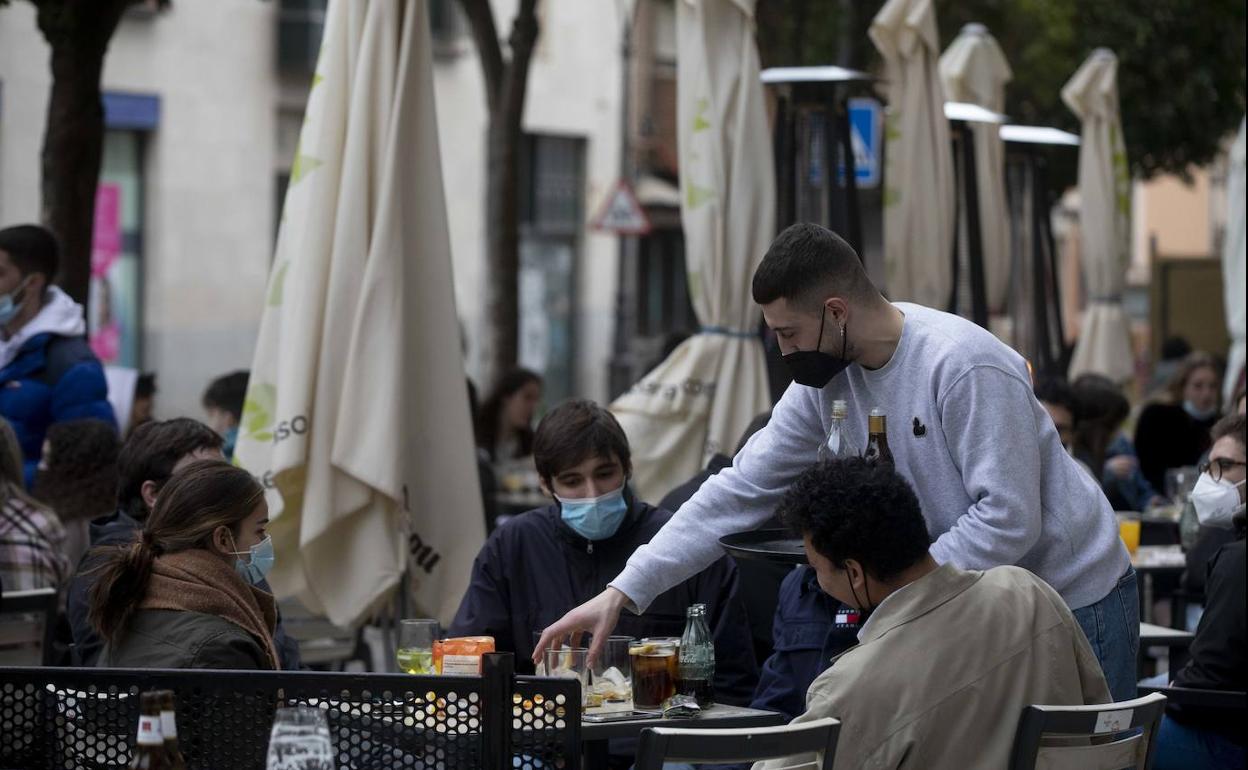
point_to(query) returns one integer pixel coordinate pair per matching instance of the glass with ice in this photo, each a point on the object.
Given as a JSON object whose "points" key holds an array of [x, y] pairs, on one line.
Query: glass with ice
{"points": [[570, 663], [415, 651], [612, 687]]}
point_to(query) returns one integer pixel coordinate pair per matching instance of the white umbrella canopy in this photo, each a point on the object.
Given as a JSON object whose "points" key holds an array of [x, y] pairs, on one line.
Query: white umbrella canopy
{"points": [[1104, 345], [1233, 267], [919, 198], [974, 70], [357, 414], [700, 400]]}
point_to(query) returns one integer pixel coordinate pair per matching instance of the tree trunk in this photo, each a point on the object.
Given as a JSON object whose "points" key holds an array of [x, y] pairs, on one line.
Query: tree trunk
{"points": [[506, 83], [502, 246], [73, 143]]}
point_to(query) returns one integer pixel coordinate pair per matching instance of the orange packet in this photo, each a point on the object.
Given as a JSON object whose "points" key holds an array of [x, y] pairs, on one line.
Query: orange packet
{"points": [[461, 656]]}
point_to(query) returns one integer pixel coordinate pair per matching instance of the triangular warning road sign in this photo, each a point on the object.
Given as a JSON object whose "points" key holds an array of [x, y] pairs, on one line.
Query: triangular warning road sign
{"points": [[621, 213]]}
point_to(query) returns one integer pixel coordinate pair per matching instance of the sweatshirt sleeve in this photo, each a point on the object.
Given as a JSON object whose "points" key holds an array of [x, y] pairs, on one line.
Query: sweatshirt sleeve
{"points": [[1000, 467], [737, 499]]}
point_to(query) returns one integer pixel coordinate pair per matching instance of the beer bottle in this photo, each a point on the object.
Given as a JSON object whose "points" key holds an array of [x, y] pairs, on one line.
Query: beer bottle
{"points": [[877, 438], [697, 658], [149, 747], [169, 729], [838, 443]]}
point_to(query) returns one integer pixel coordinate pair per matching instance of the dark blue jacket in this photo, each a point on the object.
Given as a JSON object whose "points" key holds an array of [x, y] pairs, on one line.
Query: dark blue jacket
{"points": [[119, 529], [52, 379], [535, 568], [810, 629]]}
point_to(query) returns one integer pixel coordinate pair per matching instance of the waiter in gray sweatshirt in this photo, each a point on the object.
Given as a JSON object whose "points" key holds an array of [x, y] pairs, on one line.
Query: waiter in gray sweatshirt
{"points": [[994, 481]]}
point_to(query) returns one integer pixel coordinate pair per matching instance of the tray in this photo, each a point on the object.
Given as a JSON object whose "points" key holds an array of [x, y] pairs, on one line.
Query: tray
{"points": [[774, 545]]}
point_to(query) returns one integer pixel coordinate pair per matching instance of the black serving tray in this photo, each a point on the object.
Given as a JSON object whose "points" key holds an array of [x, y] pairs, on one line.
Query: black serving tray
{"points": [[774, 545]]}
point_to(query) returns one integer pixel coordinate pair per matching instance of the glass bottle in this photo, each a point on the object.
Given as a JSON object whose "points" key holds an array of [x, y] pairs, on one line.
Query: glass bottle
{"points": [[697, 658], [149, 746], [169, 729], [877, 438], [839, 442]]}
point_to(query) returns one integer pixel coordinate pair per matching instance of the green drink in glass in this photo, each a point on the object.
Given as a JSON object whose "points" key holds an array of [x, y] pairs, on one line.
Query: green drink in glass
{"points": [[415, 651]]}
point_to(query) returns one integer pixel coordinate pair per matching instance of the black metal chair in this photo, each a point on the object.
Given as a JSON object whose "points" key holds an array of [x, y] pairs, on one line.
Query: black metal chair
{"points": [[1111, 736], [27, 626], [662, 744]]}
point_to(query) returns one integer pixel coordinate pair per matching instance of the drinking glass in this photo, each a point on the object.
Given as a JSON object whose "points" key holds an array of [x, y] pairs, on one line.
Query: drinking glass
{"points": [[1129, 530], [655, 670], [300, 740], [612, 688], [1179, 483], [570, 663], [415, 652]]}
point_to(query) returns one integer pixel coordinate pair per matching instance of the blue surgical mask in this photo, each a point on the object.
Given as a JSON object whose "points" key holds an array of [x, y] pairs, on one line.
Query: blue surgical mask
{"points": [[1198, 414], [10, 307], [261, 561], [595, 518]]}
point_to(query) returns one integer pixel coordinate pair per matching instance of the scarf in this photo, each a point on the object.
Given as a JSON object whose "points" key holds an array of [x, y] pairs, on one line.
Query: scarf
{"points": [[199, 581]]}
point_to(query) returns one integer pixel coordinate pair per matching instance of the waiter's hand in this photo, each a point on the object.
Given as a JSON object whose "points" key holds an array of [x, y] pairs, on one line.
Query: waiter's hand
{"points": [[598, 616]]}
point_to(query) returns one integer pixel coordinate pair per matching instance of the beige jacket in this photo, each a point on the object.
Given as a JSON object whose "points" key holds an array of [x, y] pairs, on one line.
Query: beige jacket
{"points": [[945, 669]]}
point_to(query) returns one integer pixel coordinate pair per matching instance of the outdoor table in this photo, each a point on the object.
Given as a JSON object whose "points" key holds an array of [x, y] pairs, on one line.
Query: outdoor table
{"points": [[1150, 560], [1159, 636], [595, 735]]}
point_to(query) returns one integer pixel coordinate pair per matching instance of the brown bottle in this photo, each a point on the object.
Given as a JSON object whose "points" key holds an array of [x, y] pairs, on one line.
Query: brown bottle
{"points": [[169, 729], [149, 746], [877, 438]]}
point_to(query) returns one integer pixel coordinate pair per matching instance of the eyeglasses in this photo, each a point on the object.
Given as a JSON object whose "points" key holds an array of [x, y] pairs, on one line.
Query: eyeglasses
{"points": [[1215, 468]]}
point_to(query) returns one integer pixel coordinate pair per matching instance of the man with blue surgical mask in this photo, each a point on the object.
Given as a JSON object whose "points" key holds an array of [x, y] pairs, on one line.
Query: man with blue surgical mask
{"points": [[541, 564]]}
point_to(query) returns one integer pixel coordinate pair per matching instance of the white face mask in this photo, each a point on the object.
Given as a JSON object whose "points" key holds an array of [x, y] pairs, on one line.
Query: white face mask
{"points": [[1216, 501]]}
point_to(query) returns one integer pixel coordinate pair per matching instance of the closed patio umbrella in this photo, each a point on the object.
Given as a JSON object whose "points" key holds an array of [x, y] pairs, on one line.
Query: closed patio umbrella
{"points": [[1233, 268], [357, 414], [1104, 345], [974, 70], [919, 201], [701, 398]]}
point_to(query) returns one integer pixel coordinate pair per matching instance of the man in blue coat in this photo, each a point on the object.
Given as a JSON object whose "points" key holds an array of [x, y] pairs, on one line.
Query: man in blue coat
{"points": [[48, 373], [544, 562]]}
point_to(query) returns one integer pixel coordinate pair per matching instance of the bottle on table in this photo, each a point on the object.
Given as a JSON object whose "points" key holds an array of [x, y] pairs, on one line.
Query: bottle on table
{"points": [[839, 442], [169, 729], [149, 747], [877, 438], [697, 658]]}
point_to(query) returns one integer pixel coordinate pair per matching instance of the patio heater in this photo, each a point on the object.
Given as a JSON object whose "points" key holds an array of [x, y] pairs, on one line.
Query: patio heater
{"points": [[815, 174], [969, 288], [1035, 301]]}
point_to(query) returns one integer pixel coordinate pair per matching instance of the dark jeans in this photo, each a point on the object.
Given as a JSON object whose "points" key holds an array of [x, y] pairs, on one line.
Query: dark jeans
{"points": [[1112, 625], [1180, 747]]}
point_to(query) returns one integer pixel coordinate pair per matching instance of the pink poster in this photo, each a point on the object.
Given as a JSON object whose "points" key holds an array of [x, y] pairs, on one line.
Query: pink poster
{"points": [[106, 245]]}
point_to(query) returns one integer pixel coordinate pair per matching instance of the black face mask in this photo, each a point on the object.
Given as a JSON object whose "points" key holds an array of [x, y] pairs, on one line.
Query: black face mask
{"points": [[814, 368], [864, 609]]}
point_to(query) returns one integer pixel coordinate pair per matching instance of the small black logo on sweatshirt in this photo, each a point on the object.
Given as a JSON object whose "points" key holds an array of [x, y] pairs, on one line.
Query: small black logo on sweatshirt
{"points": [[920, 430]]}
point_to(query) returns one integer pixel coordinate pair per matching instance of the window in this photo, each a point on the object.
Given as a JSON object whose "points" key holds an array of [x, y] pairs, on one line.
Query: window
{"points": [[299, 27], [663, 306], [552, 180], [114, 325]]}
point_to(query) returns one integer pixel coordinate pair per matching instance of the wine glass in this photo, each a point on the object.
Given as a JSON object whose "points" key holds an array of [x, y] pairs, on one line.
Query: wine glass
{"points": [[300, 740]]}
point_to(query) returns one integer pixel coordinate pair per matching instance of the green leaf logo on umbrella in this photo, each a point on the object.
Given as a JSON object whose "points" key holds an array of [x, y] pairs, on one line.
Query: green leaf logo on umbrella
{"points": [[258, 409]]}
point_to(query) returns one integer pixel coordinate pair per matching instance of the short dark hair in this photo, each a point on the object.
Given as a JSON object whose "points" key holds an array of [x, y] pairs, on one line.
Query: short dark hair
{"points": [[1056, 391], [150, 453], [856, 509], [805, 263], [33, 249], [573, 432], [145, 386], [1232, 425], [228, 392]]}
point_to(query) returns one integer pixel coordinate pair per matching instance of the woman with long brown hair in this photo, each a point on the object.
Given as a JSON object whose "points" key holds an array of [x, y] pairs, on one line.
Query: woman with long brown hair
{"points": [[1174, 432], [183, 594]]}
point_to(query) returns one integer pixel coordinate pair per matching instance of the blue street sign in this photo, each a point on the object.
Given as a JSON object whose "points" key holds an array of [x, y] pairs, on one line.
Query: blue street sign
{"points": [[866, 135]]}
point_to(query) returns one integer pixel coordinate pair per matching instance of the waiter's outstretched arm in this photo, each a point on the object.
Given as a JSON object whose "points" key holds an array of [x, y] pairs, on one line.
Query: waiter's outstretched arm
{"points": [[737, 499]]}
